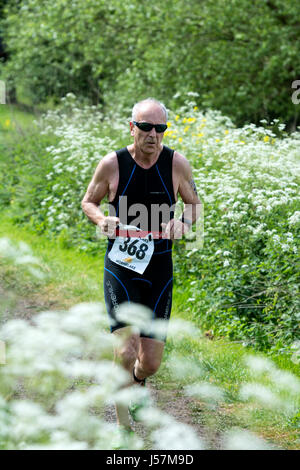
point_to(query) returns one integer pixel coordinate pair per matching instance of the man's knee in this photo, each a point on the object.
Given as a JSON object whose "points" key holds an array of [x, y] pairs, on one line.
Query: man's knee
{"points": [[127, 357], [127, 350], [150, 365]]}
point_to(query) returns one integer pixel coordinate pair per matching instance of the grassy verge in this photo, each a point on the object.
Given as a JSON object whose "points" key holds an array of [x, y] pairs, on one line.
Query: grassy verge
{"points": [[14, 118], [73, 278], [223, 365], [70, 277]]}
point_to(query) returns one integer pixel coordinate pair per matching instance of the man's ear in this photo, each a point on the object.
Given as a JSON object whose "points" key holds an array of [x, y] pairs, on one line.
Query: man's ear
{"points": [[131, 129]]}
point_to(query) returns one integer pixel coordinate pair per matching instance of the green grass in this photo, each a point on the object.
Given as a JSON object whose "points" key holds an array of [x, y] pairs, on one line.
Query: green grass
{"points": [[18, 118], [70, 277], [14, 123]]}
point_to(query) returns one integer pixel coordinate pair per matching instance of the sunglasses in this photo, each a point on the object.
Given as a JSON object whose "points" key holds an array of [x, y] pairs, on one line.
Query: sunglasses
{"points": [[147, 127]]}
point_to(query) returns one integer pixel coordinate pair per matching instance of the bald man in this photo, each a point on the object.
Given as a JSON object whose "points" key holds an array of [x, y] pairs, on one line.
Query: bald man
{"points": [[143, 178]]}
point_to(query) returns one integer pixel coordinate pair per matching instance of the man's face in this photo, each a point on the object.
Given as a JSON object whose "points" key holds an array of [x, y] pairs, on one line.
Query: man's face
{"points": [[148, 142]]}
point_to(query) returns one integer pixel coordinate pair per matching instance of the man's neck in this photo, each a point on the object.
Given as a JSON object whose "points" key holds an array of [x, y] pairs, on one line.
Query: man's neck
{"points": [[144, 159]]}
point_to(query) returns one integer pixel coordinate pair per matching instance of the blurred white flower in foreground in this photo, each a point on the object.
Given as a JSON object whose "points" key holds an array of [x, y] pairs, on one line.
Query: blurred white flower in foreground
{"points": [[205, 391], [244, 440], [261, 393], [141, 320], [168, 433], [20, 253], [181, 369]]}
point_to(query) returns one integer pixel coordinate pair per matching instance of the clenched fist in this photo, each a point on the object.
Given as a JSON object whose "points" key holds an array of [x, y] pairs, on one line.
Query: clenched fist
{"points": [[108, 225], [175, 229]]}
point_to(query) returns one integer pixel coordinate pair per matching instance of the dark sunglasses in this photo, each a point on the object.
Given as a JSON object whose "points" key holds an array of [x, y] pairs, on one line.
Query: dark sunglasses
{"points": [[147, 127]]}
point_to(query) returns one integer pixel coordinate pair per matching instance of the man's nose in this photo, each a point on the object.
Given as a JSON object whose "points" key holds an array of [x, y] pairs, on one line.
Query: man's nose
{"points": [[152, 132]]}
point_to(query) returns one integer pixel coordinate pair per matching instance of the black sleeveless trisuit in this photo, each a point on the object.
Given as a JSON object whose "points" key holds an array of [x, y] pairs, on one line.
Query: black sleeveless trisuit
{"points": [[153, 288]]}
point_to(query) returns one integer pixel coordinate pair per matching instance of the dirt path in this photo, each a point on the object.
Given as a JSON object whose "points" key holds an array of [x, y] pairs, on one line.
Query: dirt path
{"points": [[170, 401]]}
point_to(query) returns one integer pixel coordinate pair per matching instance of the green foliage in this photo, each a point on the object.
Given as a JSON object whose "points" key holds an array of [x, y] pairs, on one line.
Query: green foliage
{"points": [[245, 281], [241, 57]]}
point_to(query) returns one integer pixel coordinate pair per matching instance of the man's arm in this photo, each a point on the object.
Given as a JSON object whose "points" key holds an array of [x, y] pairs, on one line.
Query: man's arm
{"points": [[188, 191], [96, 191]]}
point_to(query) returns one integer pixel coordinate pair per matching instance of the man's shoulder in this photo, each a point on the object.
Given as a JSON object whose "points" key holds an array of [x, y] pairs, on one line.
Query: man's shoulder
{"points": [[110, 159], [180, 162], [108, 165]]}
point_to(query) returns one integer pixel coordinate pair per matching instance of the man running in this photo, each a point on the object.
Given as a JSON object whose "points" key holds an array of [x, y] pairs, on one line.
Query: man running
{"points": [[146, 176]]}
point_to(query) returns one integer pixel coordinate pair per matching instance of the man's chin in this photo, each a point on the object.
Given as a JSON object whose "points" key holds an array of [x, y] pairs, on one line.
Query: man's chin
{"points": [[150, 147]]}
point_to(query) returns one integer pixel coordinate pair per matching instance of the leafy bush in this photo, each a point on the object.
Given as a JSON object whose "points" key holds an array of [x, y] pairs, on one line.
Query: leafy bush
{"points": [[246, 279], [240, 56]]}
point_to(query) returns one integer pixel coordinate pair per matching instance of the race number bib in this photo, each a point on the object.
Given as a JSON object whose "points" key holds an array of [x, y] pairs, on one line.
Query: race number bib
{"points": [[133, 253]]}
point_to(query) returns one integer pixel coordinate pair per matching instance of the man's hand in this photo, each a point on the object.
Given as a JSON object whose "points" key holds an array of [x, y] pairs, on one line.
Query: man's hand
{"points": [[108, 225], [175, 229]]}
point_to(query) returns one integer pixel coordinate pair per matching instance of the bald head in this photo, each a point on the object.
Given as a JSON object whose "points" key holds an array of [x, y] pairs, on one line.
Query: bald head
{"points": [[145, 105]]}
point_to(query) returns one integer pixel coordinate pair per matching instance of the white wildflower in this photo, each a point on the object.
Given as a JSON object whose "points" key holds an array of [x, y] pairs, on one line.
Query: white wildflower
{"points": [[260, 393], [244, 440], [205, 391]]}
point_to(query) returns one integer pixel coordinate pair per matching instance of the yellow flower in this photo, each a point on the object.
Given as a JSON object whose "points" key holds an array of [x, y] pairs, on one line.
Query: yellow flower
{"points": [[201, 134], [242, 142], [186, 128], [191, 119], [266, 138], [180, 139], [273, 141], [7, 123], [204, 120], [177, 117], [169, 124], [195, 108], [226, 132], [184, 120], [217, 140]]}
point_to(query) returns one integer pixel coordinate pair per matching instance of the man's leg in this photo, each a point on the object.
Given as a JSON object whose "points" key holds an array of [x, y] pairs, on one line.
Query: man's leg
{"points": [[146, 364], [149, 357], [126, 355]]}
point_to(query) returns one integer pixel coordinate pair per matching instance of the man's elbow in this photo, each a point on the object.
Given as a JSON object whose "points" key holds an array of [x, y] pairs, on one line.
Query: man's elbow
{"points": [[83, 204], [87, 205]]}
